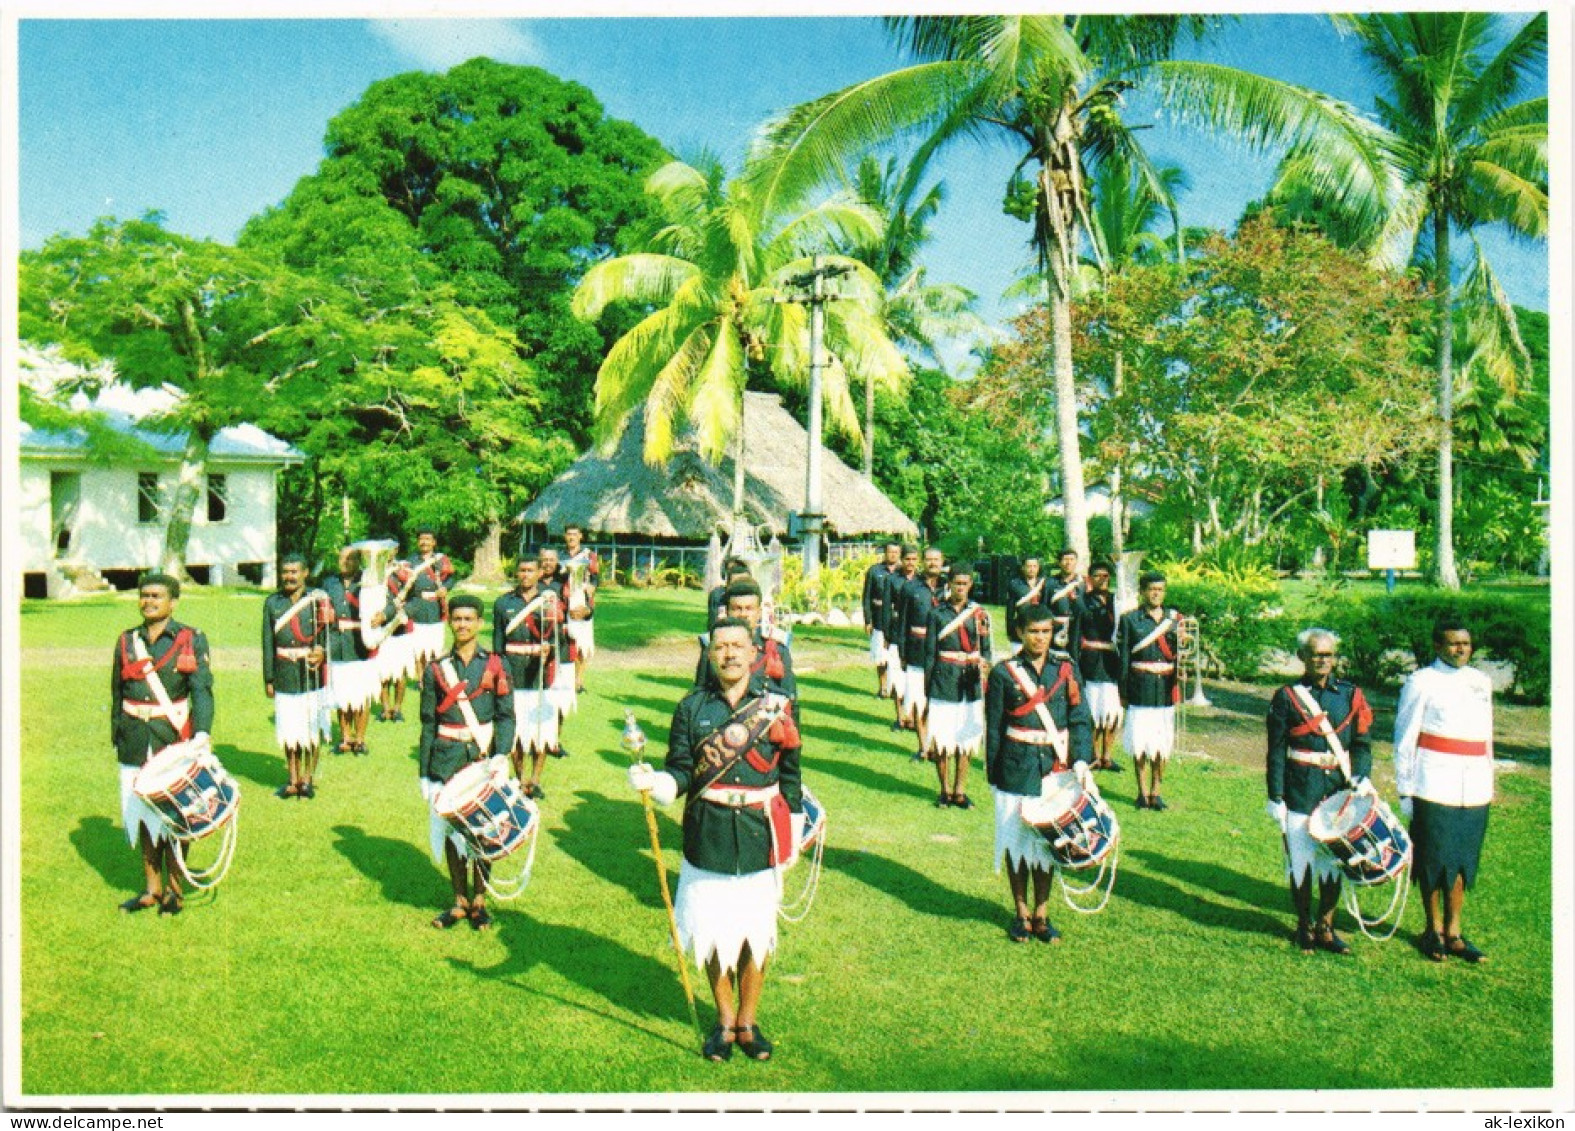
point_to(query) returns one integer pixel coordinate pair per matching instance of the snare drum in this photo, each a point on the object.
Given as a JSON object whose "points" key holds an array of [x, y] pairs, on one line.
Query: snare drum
{"points": [[814, 822], [1077, 824], [189, 790], [1363, 834], [488, 808]]}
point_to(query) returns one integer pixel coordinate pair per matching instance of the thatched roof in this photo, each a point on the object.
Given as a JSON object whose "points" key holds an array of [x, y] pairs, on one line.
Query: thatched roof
{"points": [[689, 498]]}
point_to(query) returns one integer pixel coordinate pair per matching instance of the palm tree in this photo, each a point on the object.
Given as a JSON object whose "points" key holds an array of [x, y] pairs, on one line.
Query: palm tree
{"points": [[1054, 84], [716, 272], [1468, 155], [919, 315]]}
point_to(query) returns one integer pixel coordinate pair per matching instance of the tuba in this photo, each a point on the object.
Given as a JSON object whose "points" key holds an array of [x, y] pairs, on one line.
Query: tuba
{"points": [[579, 573], [377, 558]]}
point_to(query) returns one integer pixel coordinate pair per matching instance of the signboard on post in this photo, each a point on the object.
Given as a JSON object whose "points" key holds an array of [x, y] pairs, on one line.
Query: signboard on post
{"points": [[1391, 549]]}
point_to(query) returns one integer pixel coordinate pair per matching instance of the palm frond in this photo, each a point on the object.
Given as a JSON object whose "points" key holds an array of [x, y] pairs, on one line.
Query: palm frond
{"points": [[836, 398], [1492, 330], [1496, 193], [630, 369], [832, 224], [1522, 59], [670, 391], [713, 406], [632, 278]]}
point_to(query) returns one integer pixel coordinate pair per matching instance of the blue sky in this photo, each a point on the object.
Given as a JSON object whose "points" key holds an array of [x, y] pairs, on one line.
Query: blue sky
{"points": [[210, 121]]}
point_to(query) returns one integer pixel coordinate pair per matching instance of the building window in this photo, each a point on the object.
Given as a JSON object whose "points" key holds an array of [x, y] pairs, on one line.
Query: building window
{"points": [[218, 498], [150, 497]]}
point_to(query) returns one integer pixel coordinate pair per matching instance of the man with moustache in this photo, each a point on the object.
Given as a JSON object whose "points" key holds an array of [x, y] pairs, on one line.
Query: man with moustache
{"points": [[296, 624]]}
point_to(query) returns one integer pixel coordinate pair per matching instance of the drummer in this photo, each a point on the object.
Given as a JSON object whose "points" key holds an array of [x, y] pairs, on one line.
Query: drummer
{"points": [[161, 692], [1318, 746], [467, 713], [1036, 724]]}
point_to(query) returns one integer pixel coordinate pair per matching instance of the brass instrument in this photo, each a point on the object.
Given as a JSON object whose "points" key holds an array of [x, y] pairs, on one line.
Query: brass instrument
{"points": [[1189, 657], [377, 560], [579, 575]]}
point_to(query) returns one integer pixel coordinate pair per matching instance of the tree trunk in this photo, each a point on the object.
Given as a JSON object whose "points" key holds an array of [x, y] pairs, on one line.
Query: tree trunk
{"points": [[869, 427], [487, 566], [1062, 233], [1118, 534], [183, 503], [738, 460], [1444, 561]]}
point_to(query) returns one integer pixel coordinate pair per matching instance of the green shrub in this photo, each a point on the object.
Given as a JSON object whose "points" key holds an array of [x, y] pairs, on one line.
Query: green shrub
{"points": [[1238, 607], [839, 587], [1383, 635]]}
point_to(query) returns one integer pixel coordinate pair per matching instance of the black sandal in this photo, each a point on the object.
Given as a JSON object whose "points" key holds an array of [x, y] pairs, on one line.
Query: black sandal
{"points": [[453, 915], [1305, 942], [135, 903], [1432, 946], [1044, 931], [172, 903], [717, 1047], [752, 1042], [943, 801], [480, 919], [1333, 943], [1019, 931], [961, 801], [1459, 947]]}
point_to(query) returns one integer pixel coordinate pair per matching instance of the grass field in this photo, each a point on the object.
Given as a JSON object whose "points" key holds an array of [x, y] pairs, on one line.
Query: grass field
{"points": [[314, 970]]}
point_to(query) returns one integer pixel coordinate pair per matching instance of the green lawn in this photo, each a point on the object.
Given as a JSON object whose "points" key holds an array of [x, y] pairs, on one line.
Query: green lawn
{"points": [[314, 970]]}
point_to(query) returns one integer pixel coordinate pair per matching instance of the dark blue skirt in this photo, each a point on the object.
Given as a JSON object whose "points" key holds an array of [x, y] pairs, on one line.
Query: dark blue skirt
{"points": [[1446, 842]]}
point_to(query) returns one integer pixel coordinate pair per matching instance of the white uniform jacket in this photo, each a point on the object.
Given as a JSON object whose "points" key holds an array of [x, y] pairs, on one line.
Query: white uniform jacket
{"points": [[1444, 736]]}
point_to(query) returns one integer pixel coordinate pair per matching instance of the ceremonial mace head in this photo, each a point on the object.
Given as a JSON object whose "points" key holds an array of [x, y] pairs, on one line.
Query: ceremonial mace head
{"points": [[633, 737]]}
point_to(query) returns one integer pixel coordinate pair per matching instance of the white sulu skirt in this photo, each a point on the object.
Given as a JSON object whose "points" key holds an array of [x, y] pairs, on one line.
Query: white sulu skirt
{"points": [[956, 728], [426, 644], [353, 684], [1150, 732], [535, 720], [583, 633], [1306, 853], [877, 647], [562, 693], [1104, 704], [1015, 839], [914, 697], [302, 720], [894, 676], [718, 914], [393, 658], [439, 830], [136, 813]]}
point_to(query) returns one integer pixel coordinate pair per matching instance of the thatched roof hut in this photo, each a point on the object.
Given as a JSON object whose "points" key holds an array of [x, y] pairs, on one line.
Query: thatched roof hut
{"points": [[689, 499]]}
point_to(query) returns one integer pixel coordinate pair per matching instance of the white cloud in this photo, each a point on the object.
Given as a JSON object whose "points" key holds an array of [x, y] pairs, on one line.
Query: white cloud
{"points": [[438, 45]]}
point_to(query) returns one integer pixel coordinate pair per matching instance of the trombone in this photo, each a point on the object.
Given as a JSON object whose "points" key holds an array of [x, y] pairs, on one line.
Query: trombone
{"points": [[1189, 659]]}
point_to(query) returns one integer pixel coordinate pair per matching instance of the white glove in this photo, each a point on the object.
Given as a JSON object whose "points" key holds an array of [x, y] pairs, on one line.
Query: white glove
{"points": [[662, 786], [428, 788], [1364, 785], [796, 833], [1406, 808], [1277, 813], [1085, 776]]}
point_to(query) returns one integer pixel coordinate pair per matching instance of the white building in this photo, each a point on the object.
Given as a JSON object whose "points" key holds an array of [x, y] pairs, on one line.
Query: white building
{"points": [[83, 518]]}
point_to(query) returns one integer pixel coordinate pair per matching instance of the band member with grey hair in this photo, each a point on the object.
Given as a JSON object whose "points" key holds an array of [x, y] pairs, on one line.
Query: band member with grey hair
{"points": [[956, 661], [874, 608], [160, 693], [296, 624], [1444, 773], [1099, 664], [734, 755], [527, 622], [584, 571], [1036, 724], [467, 714], [1147, 643], [1318, 745]]}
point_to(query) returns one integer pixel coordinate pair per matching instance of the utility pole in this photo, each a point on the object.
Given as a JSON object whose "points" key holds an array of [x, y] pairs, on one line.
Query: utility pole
{"points": [[813, 517]]}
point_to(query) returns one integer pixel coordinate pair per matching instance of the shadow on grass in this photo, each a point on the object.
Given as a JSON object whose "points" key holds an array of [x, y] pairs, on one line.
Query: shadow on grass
{"points": [[634, 983], [101, 844], [1154, 892], [402, 872], [915, 889], [600, 831], [869, 778], [1228, 702], [684, 684], [1531, 755], [259, 769]]}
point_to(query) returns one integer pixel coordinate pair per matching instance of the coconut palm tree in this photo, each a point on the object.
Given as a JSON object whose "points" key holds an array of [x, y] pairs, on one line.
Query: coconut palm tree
{"points": [[1469, 155], [1054, 85], [717, 272], [920, 315]]}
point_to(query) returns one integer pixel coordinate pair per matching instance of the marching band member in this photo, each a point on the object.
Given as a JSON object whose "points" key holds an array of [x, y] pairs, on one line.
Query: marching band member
{"points": [[160, 693], [427, 597], [733, 569], [353, 673], [772, 669], [734, 755], [956, 658], [915, 600], [1318, 745], [562, 690], [874, 605], [1444, 773], [1066, 605], [1099, 665], [467, 714], [526, 624], [296, 624], [581, 610], [1147, 644], [396, 656], [894, 583], [1036, 724], [1029, 589]]}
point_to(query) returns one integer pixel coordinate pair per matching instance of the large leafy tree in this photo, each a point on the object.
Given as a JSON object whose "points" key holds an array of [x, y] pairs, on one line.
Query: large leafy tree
{"points": [[503, 183], [718, 278], [222, 326], [1469, 145], [1053, 86]]}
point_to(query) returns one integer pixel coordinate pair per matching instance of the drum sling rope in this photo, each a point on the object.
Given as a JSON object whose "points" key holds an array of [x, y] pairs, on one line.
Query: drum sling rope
{"points": [[794, 910], [210, 877], [1392, 914], [506, 890], [1109, 863]]}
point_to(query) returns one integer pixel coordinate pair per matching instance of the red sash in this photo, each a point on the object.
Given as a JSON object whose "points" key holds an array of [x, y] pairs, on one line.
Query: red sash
{"points": [[181, 651]]}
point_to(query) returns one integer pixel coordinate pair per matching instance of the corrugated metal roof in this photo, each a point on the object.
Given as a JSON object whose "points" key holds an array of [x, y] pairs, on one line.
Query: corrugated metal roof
{"points": [[243, 442]]}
